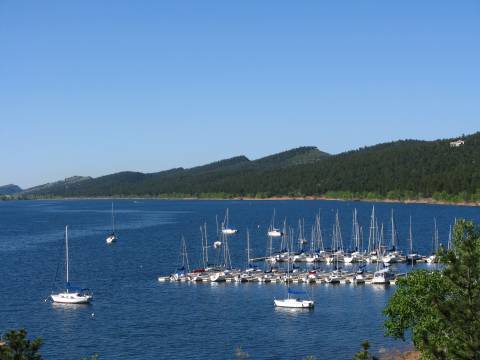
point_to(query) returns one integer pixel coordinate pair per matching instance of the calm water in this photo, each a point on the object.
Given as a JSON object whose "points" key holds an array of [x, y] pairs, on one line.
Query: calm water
{"points": [[136, 317]]}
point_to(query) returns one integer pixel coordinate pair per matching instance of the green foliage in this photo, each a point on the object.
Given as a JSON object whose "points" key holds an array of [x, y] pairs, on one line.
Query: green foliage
{"points": [[17, 347], [364, 354], [442, 308]]}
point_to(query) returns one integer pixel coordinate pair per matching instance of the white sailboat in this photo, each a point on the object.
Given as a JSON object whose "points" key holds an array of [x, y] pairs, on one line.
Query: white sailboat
{"points": [[272, 230], [385, 275], [226, 230], [183, 268], [71, 295], [412, 256], [290, 301], [112, 237], [435, 244]]}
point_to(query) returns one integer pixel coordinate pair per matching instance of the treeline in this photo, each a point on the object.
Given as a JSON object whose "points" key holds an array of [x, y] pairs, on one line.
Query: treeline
{"points": [[401, 170]]}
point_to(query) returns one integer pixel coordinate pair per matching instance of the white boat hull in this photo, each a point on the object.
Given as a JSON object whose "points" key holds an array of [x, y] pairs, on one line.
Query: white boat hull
{"points": [[110, 239], [274, 233], [229, 231], [294, 303], [71, 298]]}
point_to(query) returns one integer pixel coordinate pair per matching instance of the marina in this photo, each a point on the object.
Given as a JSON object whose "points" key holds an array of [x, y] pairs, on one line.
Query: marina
{"points": [[312, 262]]}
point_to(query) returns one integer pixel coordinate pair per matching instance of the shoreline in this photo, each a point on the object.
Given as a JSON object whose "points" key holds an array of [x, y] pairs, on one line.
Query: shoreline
{"points": [[426, 201]]}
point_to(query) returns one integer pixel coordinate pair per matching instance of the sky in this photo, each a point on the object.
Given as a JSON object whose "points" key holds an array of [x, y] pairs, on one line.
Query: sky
{"points": [[95, 87]]}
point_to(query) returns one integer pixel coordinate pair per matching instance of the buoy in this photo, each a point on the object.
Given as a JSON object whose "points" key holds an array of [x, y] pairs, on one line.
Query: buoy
{"points": [[93, 315]]}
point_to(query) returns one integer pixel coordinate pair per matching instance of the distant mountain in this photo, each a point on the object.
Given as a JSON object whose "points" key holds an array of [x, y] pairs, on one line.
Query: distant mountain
{"points": [[395, 170], [54, 186], [177, 180], [10, 189]]}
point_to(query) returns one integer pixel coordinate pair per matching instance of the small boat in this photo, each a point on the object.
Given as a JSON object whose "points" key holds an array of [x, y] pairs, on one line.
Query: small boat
{"points": [[359, 277], [435, 244], [383, 276], [226, 230], [293, 302], [334, 277], [219, 276], [272, 230], [183, 267], [72, 294], [412, 256], [111, 238]]}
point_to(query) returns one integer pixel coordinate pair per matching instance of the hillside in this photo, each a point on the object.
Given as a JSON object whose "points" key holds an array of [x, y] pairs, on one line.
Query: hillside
{"points": [[10, 189], [179, 180], [396, 170]]}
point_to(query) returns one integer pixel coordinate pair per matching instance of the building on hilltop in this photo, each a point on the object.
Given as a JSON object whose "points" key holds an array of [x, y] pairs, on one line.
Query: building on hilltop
{"points": [[457, 143]]}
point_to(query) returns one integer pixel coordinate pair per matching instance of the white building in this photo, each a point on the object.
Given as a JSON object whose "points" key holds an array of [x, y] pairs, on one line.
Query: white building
{"points": [[457, 143]]}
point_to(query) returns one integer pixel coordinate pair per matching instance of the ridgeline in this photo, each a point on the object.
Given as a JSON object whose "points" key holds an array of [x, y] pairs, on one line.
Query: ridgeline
{"points": [[400, 170]]}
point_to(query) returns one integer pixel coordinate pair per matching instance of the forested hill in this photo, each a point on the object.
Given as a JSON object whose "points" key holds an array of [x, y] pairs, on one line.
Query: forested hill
{"points": [[188, 182], [396, 170], [9, 189]]}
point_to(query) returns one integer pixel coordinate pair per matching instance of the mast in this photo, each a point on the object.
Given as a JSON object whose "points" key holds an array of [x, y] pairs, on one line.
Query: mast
{"points": [[248, 247], [272, 226], [371, 235], [410, 236], [203, 247], [225, 221], [288, 271], [319, 232], [394, 240], [113, 220], [355, 240], [66, 251], [449, 244], [206, 242]]}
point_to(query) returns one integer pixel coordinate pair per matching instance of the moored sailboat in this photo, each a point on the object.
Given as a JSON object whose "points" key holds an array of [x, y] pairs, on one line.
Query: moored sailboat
{"points": [[226, 230], [290, 301], [72, 294], [112, 237]]}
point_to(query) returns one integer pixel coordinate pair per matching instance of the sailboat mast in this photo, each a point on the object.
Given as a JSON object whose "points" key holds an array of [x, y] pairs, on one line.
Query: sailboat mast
{"points": [[66, 250], [113, 219], [288, 271], [371, 235], [248, 247], [206, 243], [394, 242], [410, 236]]}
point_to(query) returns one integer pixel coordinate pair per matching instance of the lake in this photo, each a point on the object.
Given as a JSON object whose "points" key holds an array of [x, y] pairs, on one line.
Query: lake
{"points": [[133, 316]]}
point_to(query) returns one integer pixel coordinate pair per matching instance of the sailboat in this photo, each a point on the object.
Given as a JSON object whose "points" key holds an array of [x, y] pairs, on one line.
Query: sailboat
{"points": [[71, 295], [393, 254], [112, 237], [293, 302], [183, 268], [435, 244], [226, 230], [385, 275], [272, 230], [412, 256]]}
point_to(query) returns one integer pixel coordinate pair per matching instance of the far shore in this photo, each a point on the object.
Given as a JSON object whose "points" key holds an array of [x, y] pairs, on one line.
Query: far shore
{"points": [[428, 201]]}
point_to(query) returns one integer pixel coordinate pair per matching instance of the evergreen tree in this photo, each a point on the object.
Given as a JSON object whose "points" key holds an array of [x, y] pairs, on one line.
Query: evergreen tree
{"points": [[442, 308], [16, 346]]}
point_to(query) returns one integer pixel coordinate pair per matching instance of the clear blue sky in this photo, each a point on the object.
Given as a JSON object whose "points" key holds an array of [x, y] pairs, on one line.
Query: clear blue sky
{"points": [[95, 87]]}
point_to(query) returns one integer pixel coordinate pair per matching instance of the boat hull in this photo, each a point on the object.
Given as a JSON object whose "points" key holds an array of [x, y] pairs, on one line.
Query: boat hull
{"points": [[294, 303], [71, 298]]}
